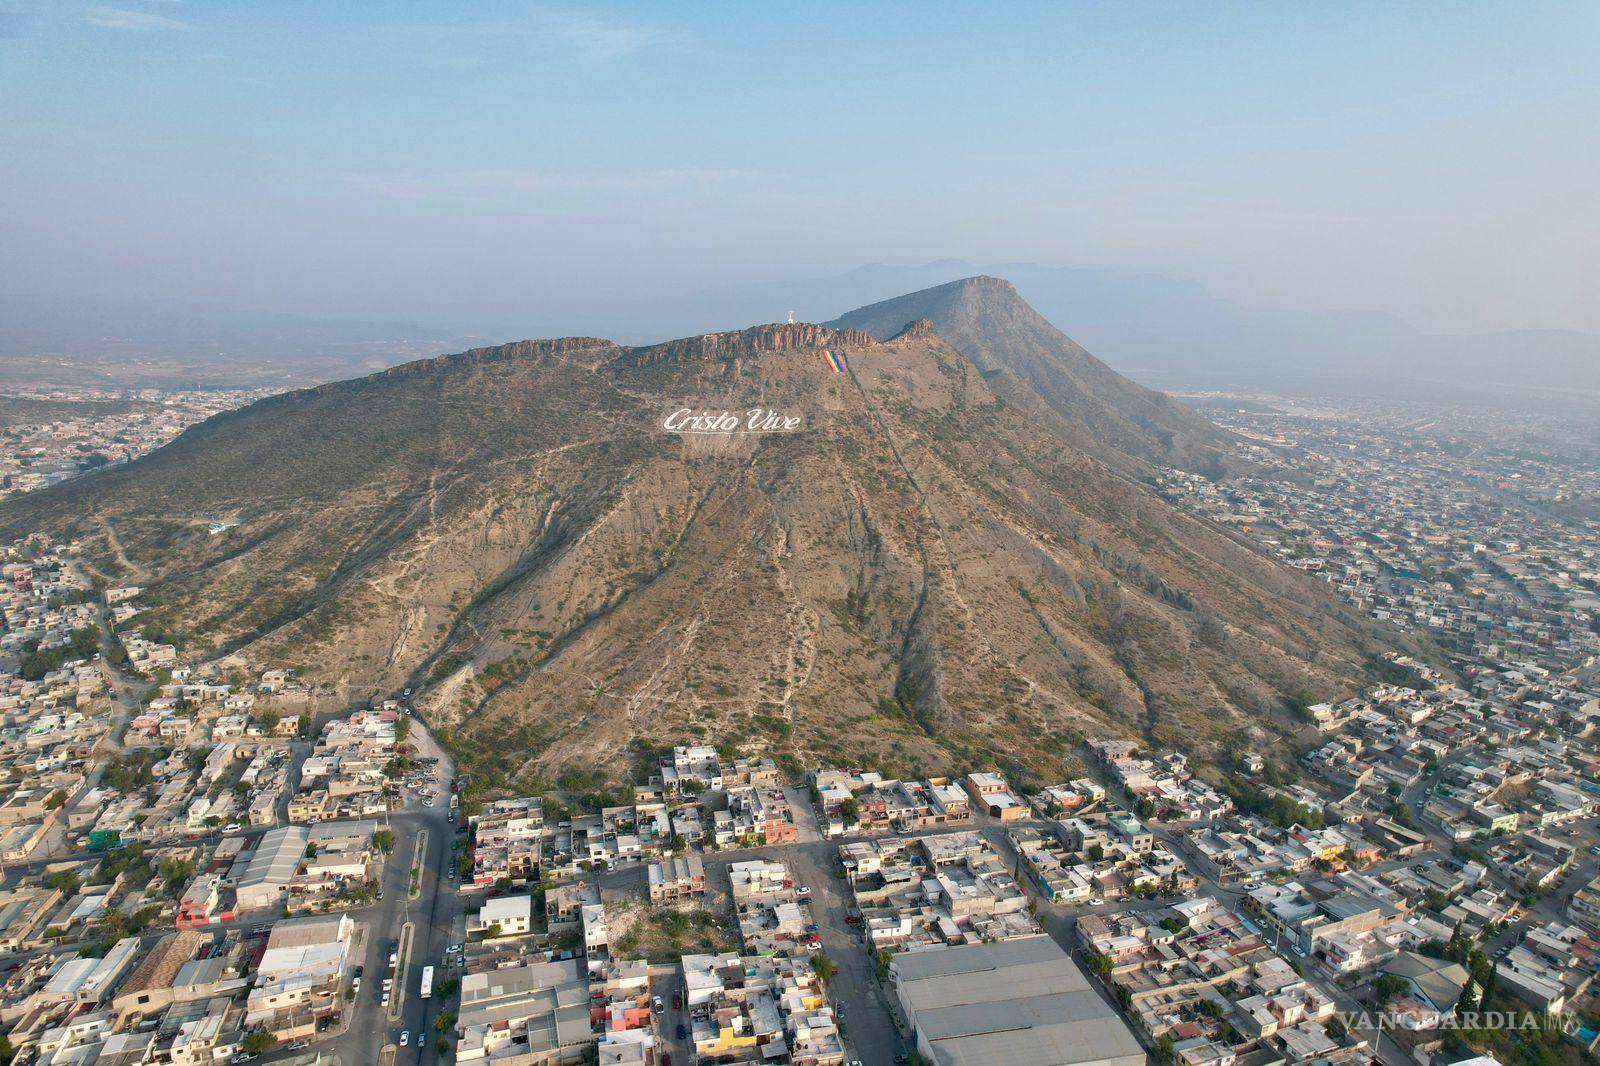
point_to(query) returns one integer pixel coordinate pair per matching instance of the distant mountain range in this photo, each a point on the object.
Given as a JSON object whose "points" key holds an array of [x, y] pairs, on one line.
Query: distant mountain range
{"points": [[1165, 333], [1176, 335], [943, 557]]}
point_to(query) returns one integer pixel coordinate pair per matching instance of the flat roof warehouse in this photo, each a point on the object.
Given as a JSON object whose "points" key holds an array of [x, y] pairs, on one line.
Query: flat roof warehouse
{"points": [[1023, 1002]]}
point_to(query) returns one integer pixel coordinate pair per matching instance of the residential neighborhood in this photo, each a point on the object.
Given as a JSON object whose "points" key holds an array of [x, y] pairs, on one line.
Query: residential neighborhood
{"points": [[204, 863]]}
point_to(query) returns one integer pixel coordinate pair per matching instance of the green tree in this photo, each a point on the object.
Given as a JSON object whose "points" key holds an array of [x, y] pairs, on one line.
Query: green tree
{"points": [[36, 664], [383, 840], [63, 881], [823, 966], [1386, 987], [255, 1042], [176, 873], [1100, 963]]}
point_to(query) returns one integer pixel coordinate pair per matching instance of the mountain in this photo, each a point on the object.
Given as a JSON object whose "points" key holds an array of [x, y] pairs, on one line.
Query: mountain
{"points": [[916, 573], [1162, 332], [1176, 334], [1028, 360], [1171, 334]]}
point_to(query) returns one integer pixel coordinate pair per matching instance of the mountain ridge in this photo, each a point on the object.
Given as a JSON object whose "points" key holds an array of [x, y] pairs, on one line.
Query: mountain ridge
{"points": [[1104, 412], [923, 574]]}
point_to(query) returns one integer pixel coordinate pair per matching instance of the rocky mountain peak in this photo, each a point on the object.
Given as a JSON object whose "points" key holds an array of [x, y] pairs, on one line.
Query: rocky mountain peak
{"points": [[918, 329], [1040, 368]]}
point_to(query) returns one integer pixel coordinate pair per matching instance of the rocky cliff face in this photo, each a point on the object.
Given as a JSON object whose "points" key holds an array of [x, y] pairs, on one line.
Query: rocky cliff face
{"points": [[776, 337], [914, 572]]}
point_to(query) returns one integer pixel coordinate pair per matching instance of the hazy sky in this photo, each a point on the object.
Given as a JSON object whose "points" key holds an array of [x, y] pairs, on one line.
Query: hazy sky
{"points": [[449, 160]]}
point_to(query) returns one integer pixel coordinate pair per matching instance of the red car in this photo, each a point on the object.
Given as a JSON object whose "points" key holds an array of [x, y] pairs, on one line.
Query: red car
{"points": [[677, 1002], [851, 919]]}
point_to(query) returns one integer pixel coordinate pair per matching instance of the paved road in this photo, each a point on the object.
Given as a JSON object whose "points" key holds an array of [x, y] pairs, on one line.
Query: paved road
{"points": [[869, 1033], [865, 1018], [434, 914], [666, 981]]}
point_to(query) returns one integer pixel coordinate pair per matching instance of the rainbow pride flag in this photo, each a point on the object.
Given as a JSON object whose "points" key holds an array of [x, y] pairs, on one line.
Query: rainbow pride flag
{"points": [[835, 360]]}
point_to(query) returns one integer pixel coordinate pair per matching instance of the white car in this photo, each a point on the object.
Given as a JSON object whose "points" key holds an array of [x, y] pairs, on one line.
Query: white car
{"points": [[427, 801], [1097, 902], [405, 1038]]}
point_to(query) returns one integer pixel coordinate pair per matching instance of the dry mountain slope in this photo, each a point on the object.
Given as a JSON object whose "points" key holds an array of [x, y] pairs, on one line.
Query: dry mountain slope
{"points": [[921, 572], [1039, 368]]}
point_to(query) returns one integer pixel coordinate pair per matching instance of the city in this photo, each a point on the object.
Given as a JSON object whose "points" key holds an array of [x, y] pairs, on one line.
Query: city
{"points": [[599, 533], [202, 864]]}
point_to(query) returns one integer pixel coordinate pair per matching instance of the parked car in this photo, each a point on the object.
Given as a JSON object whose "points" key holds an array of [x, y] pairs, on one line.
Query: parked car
{"points": [[657, 1006], [405, 1038]]}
